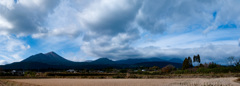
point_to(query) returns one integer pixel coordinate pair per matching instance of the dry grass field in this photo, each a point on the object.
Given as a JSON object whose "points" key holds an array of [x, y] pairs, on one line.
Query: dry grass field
{"points": [[129, 82], [13, 83]]}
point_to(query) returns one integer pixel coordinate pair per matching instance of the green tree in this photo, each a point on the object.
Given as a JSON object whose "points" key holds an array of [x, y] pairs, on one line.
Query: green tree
{"points": [[190, 62], [212, 65], [196, 58], [123, 71], [237, 63], [154, 68], [185, 64], [168, 68], [231, 60]]}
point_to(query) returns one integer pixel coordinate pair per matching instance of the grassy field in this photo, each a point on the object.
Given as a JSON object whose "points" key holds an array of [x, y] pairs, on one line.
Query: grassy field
{"points": [[127, 82], [129, 76], [210, 79], [4, 82]]}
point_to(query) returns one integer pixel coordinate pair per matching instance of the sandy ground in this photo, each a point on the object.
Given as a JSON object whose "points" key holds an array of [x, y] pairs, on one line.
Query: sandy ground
{"points": [[131, 82]]}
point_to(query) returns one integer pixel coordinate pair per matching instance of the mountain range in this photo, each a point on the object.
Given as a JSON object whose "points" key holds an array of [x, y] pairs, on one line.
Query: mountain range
{"points": [[52, 60]]}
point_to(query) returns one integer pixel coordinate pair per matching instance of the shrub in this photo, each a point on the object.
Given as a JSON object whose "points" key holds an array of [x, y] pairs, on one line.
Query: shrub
{"points": [[156, 73], [179, 72], [154, 68], [120, 76], [30, 73], [212, 65], [203, 70], [168, 69], [133, 76], [217, 70], [123, 71]]}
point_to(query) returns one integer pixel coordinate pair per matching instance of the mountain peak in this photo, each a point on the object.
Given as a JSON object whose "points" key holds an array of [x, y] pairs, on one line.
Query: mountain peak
{"points": [[176, 60], [139, 60], [103, 61], [52, 52], [51, 58]]}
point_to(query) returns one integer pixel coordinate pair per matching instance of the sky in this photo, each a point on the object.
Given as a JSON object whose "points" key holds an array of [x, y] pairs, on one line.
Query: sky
{"points": [[82, 30]]}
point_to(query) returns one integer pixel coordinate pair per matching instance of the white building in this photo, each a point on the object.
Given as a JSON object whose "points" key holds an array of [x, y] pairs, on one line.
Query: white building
{"points": [[71, 71]]}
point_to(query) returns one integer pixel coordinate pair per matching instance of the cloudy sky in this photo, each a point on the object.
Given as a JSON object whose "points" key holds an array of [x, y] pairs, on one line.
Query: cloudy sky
{"points": [[118, 29]]}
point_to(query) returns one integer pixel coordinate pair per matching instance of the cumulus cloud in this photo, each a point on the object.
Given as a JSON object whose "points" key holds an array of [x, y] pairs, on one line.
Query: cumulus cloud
{"points": [[27, 17], [116, 28], [12, 49], [104, 25], [150, 16], [2, 62], [109, 27], [4, 25], [7, 4], [109, 17], [239, 42], [170, 15], [208, 53], [112, 47]]}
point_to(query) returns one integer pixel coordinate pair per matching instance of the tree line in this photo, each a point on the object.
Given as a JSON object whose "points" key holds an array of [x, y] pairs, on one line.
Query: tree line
{"points": [[188, 63]]}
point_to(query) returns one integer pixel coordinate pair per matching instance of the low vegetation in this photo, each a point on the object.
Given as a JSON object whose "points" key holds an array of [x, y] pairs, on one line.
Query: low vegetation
{"points": [[188, 75], [169, 71]]}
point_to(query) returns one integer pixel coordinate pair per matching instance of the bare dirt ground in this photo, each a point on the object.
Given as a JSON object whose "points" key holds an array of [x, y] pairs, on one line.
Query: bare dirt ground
{"points": [[131, 82]]}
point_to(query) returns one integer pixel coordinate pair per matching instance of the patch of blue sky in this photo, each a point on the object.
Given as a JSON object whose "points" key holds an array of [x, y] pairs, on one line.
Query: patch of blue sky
{"points": [[224, 35], [225, 38], [30, 41], [34, 46], [69, 49], [62, 46], [214, 15], [146, 37], [195, 27], [227, 26], [15, 1]]}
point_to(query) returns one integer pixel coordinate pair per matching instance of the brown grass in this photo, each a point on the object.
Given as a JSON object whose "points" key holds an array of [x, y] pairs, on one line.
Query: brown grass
{"points": [[131, 82], [132, 76], [13, 83]]}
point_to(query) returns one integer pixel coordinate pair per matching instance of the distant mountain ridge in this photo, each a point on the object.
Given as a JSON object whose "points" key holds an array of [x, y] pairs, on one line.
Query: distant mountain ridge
{"points": [[177, 60], [138, 60], [52, 60], [103, 61]]}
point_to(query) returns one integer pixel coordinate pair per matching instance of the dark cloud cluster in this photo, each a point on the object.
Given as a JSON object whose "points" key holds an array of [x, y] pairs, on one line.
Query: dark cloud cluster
{"points": [[116, 47], [109, 19], [110, 28], [28, 17], [156, 17], [171, 15], [110, 31]]}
